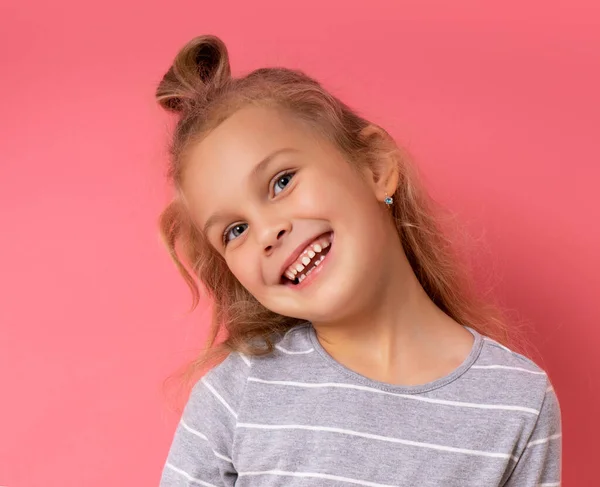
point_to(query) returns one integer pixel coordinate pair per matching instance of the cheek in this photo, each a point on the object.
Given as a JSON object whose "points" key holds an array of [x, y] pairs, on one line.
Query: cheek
{"points": [[244, 265], [328, 193], [344, 196]]}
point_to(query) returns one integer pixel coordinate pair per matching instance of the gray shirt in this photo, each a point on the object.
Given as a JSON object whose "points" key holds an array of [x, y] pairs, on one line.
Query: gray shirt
{"points": [[298, 418]]}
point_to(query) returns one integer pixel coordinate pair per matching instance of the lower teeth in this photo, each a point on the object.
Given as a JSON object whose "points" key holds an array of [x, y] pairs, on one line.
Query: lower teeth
{"points": [[301, 278]]}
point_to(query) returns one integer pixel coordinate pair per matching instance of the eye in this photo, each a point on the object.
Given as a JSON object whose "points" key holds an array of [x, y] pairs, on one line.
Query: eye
{"points": [[281, 181], [233, 232]]}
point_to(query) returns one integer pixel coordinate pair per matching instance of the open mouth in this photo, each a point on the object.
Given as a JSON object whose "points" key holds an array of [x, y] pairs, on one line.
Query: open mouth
{"points": [[308, 260]]}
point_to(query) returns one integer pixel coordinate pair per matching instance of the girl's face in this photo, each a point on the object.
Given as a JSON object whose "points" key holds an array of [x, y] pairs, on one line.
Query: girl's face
{"points": [[299, 227]]}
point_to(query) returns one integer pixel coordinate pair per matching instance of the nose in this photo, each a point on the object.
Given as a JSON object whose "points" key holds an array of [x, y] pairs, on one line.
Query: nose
{"points": [[273, 234]]}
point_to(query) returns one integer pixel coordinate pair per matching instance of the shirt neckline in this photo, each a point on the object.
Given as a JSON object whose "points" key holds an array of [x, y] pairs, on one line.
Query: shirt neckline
{"points": [[415, 389]]}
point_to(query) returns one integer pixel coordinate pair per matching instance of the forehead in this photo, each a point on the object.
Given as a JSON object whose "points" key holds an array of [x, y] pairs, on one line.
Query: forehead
{"points": [[224, 159], [244, 139]]}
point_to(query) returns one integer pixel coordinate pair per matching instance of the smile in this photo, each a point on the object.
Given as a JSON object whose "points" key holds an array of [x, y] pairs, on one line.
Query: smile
{"points": [[308, 260]]}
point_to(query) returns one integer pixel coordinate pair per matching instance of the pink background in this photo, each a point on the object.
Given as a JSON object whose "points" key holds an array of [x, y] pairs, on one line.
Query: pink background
{"points": [[499, 104]]}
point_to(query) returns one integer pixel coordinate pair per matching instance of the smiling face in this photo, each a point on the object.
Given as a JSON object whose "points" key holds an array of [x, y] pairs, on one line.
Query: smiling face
{"points": [[274, 198]]}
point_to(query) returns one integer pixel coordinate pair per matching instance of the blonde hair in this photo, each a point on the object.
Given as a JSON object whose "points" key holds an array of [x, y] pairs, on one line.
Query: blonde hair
{"points": [[199, 88]]}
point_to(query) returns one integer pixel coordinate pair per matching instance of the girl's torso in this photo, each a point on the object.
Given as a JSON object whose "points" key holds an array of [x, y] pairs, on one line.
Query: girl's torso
{"points": [[298, 418]]}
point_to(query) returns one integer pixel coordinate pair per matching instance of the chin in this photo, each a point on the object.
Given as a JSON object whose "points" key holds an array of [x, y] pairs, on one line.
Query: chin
{"points": [[327, 305]]}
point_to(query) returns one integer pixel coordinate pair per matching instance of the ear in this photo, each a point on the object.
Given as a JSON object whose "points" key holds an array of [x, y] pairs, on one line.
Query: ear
{"points": [[383, 170]]}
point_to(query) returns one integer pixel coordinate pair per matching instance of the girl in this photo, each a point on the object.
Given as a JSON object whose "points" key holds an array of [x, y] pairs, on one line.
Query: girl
{"points": [[351, 352]]}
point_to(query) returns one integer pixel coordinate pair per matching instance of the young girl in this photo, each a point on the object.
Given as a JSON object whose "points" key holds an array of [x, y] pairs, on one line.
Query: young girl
{"points": [[350, 349]]}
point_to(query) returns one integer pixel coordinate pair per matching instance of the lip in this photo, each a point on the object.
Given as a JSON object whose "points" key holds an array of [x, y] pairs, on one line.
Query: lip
{"points": [[296, 253], [316, 272]]}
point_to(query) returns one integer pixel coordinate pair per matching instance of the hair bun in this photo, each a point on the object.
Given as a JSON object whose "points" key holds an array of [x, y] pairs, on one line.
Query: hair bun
{"points": [[201, 65]]}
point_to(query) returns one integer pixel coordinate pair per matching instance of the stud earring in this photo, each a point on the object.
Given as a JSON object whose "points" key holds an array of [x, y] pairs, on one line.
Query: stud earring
{"points": [[388, 200]]}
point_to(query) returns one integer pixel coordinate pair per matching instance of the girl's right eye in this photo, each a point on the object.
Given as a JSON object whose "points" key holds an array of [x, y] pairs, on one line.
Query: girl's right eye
{"points": [[234, 232]]}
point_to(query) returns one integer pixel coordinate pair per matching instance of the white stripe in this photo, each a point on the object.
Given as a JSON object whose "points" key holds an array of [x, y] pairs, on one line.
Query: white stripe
{"points": [[405, 396], [193, 431], [245, 359], [494, 342], [294, 328], [223, 457], [200, 435], [378, 437], [216, 394], [543, 440], [549, 484], [189, 477], [291, 352], [506, 367], [550, 389], [314, 475]]}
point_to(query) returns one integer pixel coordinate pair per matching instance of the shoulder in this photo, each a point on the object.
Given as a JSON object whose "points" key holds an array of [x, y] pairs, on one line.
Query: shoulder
{"points": [[233, 371], [221, 390], [497, 356], [225, 385], [513, 375], [291, 359], [291, 349], [495, 350], [296, 341]]}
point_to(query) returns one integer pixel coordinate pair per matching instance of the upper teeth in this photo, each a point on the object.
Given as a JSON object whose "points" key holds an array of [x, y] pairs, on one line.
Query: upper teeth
{"points": [[295, 270]]}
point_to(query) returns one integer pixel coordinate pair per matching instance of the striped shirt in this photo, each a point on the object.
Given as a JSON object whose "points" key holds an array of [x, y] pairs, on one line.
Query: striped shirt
{"points": [[298, 418]]}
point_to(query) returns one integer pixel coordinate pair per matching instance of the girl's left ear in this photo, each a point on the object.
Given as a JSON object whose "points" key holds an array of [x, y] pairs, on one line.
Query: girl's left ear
{"points": [[383, 169]]}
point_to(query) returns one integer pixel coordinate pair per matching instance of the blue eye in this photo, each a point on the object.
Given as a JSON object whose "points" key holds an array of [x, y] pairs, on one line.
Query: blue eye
{"points": [[281, 182], [231, 233]]}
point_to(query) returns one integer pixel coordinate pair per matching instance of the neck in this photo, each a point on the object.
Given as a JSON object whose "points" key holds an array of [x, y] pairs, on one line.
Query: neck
{"points": [[396, 331]]}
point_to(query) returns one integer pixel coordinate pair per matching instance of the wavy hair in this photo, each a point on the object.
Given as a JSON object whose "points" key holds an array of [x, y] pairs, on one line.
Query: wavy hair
{"points": [[201, 91]]}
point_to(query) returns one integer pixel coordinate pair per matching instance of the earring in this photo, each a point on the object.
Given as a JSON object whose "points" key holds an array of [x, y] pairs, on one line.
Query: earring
{"points": [[388, 200]]}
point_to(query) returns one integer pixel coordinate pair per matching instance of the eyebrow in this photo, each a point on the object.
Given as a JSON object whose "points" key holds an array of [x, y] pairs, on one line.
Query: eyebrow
{"points": [[260, 168]]}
